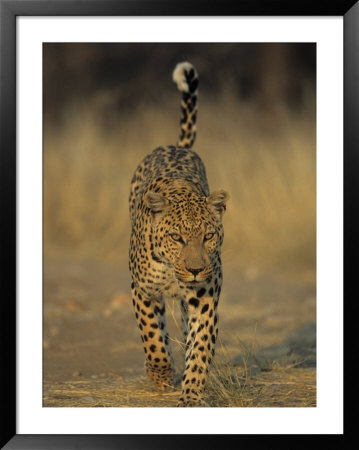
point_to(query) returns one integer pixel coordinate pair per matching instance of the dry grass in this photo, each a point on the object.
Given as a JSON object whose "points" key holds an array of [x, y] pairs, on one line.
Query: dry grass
{"points": [[113, 391], [228, 386], [249, 385], [266, 162]]}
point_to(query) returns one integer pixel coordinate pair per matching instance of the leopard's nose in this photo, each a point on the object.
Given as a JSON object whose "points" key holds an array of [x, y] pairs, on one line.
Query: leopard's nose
{"points": [[194, 271]]}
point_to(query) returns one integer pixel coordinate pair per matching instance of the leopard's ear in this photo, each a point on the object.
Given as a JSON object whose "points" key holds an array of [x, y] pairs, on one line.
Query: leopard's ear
{"points": [[217, 202], [156, 202]]}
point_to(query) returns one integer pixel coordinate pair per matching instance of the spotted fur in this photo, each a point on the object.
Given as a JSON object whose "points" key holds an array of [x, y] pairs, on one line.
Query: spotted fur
{"points": [[175, 247]]}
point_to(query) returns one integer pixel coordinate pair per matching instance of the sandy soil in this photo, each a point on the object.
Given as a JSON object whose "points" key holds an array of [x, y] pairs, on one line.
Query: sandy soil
{"points": [[93, 354]]}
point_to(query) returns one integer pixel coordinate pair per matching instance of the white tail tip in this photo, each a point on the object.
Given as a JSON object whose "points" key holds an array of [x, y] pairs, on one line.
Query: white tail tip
{"points": [[179, 76]]}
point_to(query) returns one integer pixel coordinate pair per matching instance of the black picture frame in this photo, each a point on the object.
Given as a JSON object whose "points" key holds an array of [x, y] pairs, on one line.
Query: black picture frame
{"points": [[9, 10]]}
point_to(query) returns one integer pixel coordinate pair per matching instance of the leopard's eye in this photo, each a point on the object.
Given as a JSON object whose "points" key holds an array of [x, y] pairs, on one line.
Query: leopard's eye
{"points": [[176, 237], [208, 236]]}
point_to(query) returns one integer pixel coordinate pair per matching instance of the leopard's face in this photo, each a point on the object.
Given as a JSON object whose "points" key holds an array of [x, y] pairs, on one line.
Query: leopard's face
{"points": [[187, 234]]}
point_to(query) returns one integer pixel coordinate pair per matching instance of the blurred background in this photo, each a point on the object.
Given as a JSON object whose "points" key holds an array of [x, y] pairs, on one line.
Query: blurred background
{"points": [[105, 107]]}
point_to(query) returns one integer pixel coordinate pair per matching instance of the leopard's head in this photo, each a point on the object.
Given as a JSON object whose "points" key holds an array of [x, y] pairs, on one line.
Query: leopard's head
{"points": [[187, 231]]}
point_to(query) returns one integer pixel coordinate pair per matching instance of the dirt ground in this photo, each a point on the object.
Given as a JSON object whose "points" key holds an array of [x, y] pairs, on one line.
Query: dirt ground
{"points": [[93, 356]]}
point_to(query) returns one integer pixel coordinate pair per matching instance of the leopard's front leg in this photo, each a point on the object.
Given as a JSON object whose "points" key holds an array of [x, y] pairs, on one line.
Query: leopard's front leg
{"points": [[200, 346], [150, 315]]}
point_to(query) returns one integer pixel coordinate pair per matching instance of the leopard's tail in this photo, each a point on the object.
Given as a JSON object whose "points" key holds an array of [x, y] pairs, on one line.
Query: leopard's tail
{"points": [[186, 78]]}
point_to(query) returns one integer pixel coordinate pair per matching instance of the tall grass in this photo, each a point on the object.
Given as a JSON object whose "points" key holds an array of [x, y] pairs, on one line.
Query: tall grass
{"points": [[266, 161]]}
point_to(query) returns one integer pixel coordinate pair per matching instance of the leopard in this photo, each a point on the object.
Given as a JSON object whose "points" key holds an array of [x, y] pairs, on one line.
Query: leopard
{"points": [[175, 252]]}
